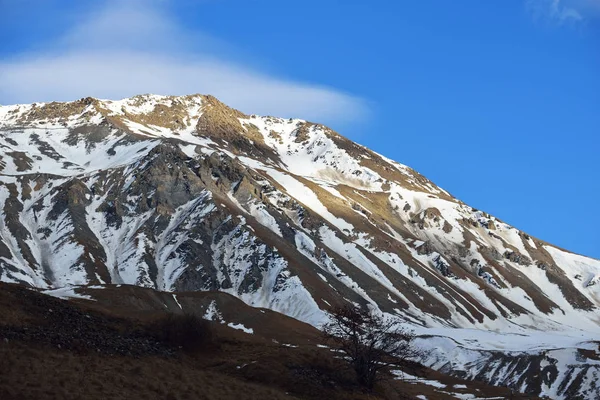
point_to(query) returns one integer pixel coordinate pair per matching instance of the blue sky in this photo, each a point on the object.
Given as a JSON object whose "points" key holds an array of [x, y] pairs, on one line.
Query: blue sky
{"points": [[498, 102]]}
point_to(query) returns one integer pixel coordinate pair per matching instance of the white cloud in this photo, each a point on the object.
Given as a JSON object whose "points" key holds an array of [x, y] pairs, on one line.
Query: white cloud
{"points": [[126, 49], [565, 11]]}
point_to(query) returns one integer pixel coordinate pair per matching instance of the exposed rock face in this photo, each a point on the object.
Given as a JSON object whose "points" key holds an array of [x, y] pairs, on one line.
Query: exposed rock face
{"points": [[187, 194]]}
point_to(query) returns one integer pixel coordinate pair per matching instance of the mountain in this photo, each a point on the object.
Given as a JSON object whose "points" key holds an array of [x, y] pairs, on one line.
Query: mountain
{"points": [[186, 194]]}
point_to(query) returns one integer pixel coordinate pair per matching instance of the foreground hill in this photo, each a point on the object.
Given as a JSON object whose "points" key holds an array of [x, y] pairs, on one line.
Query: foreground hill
{"points": [[187, 194], [104, 343]]}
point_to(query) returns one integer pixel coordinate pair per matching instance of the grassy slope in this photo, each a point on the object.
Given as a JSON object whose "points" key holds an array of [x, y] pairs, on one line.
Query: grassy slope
{"points": [[109, 348]]}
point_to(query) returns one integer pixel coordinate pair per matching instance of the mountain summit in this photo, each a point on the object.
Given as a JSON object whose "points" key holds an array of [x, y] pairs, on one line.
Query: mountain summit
{"points": [[187, 194]]}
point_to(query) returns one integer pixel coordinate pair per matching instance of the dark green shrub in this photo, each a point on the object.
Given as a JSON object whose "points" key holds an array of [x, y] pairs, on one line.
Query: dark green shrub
{"points": [[186, 331]]}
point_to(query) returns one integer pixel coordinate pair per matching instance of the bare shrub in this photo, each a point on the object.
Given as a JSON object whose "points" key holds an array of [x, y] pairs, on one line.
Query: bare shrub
{"points": [[369, 342]]}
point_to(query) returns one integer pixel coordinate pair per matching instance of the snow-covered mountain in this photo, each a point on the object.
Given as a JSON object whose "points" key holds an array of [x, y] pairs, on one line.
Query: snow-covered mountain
{"points": [[185, 193]]}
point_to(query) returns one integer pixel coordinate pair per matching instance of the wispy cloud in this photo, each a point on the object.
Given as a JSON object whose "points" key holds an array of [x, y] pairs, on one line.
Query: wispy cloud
{"points": [[128, 48], [564, 11]]}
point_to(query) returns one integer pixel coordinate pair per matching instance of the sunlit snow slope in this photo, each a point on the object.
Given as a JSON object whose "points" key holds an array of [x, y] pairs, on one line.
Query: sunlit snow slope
{"points": [[184, 193]]}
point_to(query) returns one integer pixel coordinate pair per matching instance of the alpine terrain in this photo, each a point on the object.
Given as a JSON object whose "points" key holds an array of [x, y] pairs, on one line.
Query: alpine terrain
{"points": [[184, 194]]}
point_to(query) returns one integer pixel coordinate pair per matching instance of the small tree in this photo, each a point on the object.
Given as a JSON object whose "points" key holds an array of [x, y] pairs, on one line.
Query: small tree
{"points": [[370, 342]]}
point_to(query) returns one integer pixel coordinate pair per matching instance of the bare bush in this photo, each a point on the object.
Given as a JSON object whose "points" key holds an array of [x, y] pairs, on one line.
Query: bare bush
{"points": [[369, 342]]}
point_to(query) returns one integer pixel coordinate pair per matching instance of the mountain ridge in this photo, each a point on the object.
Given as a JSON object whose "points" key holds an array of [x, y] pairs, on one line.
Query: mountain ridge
{"points": [[86, 101]]}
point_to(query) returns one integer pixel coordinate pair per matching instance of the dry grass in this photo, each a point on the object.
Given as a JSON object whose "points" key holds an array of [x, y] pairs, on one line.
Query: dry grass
{"points": [[29, 372]]}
